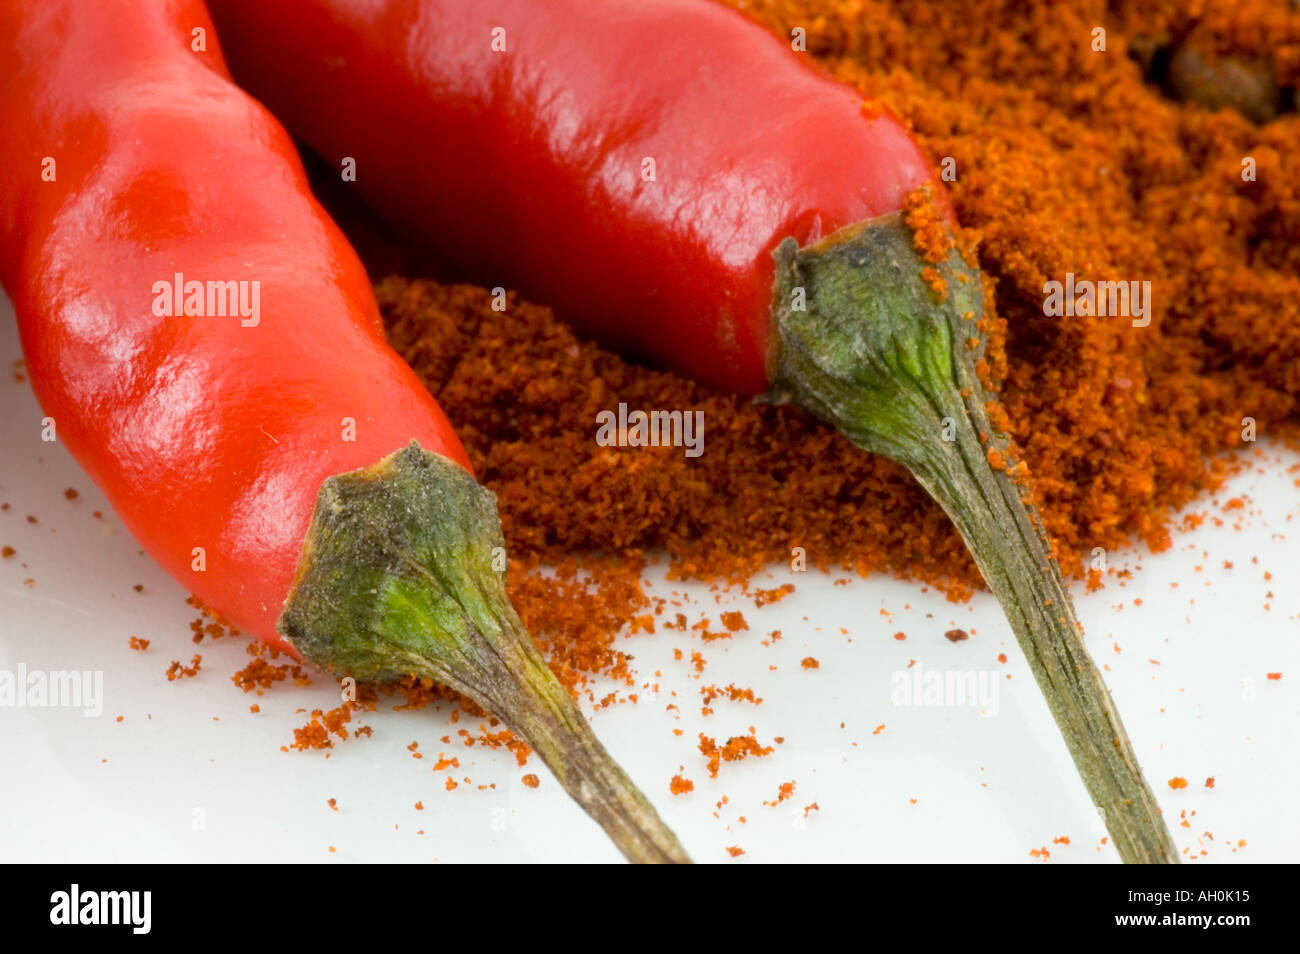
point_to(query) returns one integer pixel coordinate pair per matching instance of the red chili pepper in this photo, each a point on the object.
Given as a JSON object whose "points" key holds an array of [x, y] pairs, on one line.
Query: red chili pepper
{"points": [[541, 154], [678, 182], [136, 180]]}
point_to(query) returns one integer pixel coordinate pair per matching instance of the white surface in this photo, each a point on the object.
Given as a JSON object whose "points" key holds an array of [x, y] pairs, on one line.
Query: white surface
{"points": [[191, 775]]}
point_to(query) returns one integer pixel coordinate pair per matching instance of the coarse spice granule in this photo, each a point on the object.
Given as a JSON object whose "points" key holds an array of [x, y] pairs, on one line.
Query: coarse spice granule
{"points": [[1067, 160]]}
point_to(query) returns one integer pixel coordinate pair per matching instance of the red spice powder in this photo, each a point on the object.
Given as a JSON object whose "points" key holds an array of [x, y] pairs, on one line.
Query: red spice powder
{"points": [[764, 597], [179, 671], [738, 747], [210, 622], [734, 621], [505, 739], [323, 728], [785, 792], [732, 692], [262, 674]]}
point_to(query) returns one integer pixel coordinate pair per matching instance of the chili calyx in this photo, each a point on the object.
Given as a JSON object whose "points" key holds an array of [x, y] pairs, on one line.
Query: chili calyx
{"points": [[399, 576], [865, 342]]}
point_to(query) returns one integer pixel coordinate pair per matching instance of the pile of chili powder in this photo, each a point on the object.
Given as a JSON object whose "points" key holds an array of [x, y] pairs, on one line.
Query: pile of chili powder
{"points": [[1068, 160]]}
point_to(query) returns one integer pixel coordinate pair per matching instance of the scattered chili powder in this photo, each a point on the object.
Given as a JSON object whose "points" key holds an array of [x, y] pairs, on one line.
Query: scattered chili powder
{"points": [[531, 780], [938, 285], [735, 851], [734, 621], [316, 733], [210, 623], [178, 671], [738, 747], [810, 663], [785, 791], [1178, 782], [506, 739], [764, 597], [680, 786], [261, 674], [732, 692], [956, 635], [136, 643]]}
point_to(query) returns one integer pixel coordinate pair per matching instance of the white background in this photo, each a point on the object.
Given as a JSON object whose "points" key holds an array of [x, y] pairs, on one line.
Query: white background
{"points": [[191, 775]]}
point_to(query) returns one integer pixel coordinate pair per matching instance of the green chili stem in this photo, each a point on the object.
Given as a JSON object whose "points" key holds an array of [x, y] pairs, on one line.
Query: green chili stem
{"points": [[868, 344], [1007, 541], [403, 574]]}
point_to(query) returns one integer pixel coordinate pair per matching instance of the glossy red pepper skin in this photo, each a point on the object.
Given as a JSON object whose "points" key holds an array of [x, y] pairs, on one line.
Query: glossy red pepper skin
{"points": [[203, 432], [528, 168]]}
